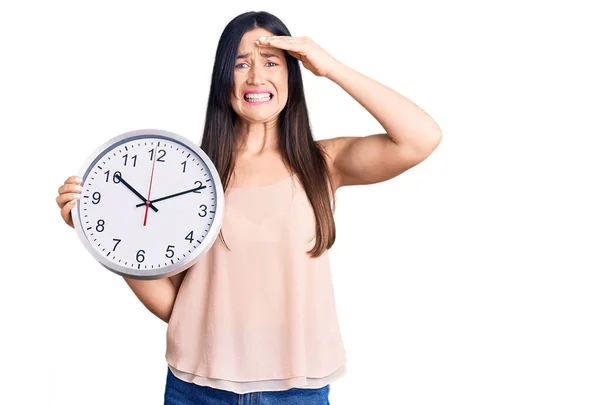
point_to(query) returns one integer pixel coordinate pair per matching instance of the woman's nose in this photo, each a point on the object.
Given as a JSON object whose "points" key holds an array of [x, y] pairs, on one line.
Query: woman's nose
{"points": [[256, 76]]}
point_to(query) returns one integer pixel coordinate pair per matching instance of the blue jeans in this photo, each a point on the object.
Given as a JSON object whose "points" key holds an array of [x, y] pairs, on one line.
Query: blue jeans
{"points": [[179, 392]]}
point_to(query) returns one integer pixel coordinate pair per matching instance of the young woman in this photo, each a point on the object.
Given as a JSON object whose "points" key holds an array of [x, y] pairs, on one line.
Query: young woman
{"points": [[255, 318]]}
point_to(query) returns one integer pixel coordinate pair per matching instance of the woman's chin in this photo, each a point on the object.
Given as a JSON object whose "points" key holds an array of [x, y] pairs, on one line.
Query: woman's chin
{"points": [[253, 114]]}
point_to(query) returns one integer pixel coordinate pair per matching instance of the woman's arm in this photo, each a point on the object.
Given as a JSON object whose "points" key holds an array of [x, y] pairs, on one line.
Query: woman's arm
{"points": [[158, 296], [411, 134]]}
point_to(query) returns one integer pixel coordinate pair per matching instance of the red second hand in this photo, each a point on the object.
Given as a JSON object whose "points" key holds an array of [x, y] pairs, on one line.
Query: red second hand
{"points": [[150, 188]]}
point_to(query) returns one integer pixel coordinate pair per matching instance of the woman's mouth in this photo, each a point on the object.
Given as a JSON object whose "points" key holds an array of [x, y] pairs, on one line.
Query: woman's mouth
{"points": [[257, 98]]}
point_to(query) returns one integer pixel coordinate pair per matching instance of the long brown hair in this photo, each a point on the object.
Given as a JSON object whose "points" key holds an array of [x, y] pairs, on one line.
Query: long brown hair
{"points": [[301, 154]]}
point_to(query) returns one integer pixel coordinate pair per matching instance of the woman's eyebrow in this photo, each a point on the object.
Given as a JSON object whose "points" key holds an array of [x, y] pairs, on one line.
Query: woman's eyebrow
{"points": [[263, 54]]}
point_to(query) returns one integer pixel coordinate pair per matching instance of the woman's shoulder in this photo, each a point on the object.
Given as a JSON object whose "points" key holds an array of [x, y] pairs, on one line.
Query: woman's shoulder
{"points": [[329, 147]]}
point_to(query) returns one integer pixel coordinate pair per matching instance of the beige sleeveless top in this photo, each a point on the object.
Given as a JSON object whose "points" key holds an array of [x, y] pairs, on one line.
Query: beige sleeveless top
{"points": [[261, 316]]}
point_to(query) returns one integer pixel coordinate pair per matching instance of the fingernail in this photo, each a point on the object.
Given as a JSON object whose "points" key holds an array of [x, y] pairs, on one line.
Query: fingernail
{"points": [[78, 188], [262, 38], [77, 196], [73, 201]]}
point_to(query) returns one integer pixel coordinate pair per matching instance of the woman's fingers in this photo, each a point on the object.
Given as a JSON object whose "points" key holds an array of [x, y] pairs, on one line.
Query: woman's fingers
{"points": [[68, 194], [69, 188], [65, 213], [278, 42], [73, 180], [290, 46], [291, 40], [64, 198]]}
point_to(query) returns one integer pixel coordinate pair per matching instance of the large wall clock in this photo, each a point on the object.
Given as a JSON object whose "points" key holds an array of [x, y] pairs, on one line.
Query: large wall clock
{"points": [[152, 204]]}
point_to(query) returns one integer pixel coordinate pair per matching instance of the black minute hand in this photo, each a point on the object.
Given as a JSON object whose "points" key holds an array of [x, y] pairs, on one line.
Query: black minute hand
{"points": [[173, 195], [136, 193]]}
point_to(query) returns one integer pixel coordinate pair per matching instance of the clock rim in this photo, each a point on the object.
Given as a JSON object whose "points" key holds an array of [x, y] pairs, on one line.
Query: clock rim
{"points": [[192, 258]]}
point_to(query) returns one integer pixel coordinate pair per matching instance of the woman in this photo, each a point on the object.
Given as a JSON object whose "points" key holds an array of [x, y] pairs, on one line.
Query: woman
{"points": [[255, 318]]}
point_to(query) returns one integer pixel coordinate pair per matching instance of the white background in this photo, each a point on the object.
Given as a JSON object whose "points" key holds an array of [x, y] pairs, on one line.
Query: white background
{"points": [[472, 278]]}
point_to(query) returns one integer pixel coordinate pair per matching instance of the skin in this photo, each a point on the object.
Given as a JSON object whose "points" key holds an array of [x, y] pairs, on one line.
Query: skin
{"points": [[259, 161], [411, 135]]}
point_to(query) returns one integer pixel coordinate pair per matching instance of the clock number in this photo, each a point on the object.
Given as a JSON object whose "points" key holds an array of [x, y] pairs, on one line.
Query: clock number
{"points": [[202, 212], [199, 187], [100, 225], [118, 241], [160, 157], [140, 256], [184, 163], [169, 250], [96, 197], [190, 236], [134, 157], [116, 176]]}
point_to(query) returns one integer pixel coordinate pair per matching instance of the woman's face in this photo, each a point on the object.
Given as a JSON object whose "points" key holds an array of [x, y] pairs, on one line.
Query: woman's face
{"points": [[260, 80]]}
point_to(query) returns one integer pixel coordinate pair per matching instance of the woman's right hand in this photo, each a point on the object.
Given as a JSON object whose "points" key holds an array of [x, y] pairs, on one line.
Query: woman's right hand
{"points": [[68, 194]]}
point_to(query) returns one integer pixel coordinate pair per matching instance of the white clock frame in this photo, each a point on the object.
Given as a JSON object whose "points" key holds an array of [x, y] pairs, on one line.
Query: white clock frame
{"points": [[188, 260]]}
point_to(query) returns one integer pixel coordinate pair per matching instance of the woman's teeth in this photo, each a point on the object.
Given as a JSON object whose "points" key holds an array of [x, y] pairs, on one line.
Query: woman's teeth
{"points": [[252, 97]]}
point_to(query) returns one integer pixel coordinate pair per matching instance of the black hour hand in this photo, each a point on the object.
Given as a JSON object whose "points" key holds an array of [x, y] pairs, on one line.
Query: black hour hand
{"points": [[121, 180]]}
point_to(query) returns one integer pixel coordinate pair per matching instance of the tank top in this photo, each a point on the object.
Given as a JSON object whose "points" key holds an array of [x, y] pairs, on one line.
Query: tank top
{"points": [[261, 316]]}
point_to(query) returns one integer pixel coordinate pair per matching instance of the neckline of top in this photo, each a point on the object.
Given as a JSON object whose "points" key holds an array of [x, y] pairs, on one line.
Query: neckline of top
{"points": [[263, 186]]}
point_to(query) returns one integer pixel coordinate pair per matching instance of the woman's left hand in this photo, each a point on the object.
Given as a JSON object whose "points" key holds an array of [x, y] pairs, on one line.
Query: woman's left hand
{"points": [[312, 56]]}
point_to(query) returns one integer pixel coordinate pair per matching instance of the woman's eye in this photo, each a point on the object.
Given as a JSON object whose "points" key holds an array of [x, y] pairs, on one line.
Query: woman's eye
{"points": [[244, 63]]}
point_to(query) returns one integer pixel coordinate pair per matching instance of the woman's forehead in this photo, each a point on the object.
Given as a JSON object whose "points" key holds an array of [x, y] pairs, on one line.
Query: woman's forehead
{"points": [[266, 52], [248, 43], [251, 49]]}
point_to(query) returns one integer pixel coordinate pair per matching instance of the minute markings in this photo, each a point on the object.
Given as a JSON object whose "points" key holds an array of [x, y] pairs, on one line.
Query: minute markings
{"points": [[109, 251]]}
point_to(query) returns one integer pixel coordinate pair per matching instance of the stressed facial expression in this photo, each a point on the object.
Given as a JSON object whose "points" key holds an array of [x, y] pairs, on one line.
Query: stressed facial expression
{"points": [[260, 79]]}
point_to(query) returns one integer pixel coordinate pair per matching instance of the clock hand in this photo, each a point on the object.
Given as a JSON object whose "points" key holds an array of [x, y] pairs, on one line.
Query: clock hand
{"points": [[135, 191], [173, 195], [150, 186]]}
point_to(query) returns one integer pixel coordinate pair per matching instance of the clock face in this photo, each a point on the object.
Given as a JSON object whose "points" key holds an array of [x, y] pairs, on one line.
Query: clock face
{"points": [[152, 202]]}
